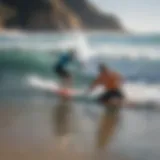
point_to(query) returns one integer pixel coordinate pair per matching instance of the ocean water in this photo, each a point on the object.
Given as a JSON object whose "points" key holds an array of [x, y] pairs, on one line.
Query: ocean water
{"points": [[27, 55], [26, 117]]}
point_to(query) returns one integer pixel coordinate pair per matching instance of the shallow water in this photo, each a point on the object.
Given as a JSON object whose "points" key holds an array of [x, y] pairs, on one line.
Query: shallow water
{"points": [[27, 132], [27, 129]]}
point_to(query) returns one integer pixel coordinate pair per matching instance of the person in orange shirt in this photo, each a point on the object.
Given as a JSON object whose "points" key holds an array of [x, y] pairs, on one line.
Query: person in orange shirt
{"points": [[112, 99]]}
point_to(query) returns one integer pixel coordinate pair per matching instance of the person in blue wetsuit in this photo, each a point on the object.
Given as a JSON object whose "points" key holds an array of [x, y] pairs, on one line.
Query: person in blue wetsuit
{"points": [[63, 108], [61, 66]]}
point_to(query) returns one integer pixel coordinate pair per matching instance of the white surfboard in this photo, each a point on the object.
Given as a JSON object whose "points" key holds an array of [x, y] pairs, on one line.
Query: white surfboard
{"points": [[53, 87], [135, 94]]}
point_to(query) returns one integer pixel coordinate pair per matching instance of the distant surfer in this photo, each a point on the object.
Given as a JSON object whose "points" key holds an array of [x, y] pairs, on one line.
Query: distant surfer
{"points": [[112, 99], [63, 109], [61, 66]]}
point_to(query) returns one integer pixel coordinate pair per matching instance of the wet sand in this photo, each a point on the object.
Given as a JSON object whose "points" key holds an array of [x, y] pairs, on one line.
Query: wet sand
{"points": [[27, 133]]}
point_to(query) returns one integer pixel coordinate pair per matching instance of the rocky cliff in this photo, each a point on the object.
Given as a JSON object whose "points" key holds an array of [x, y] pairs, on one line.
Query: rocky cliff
{"points": [[56, 15]]}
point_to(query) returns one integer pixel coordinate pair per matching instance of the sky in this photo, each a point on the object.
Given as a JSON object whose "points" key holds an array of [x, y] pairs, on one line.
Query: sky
{"points": [[136, 15]]}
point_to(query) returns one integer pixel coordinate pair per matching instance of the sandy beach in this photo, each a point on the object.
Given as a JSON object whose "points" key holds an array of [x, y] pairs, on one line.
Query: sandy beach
{"points": [[27, 133]]}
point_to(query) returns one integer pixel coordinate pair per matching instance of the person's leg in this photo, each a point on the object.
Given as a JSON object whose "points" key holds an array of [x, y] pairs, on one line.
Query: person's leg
{"points": [[67, 81], [65, 76], [62, 111]]}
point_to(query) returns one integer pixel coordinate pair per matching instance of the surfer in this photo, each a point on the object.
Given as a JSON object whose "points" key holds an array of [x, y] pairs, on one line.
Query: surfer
{"points": [[63, 109], [112, 100], [61, 66]]}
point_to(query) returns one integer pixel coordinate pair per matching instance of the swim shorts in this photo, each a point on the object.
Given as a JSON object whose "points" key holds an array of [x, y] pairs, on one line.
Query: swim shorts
{"points": [[110, 94]]}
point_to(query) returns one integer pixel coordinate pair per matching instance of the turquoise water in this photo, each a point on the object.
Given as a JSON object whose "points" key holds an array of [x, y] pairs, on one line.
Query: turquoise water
{"points": [[137, 57]]}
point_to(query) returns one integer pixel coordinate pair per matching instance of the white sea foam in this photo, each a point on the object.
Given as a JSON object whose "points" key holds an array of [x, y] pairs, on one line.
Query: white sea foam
{"points": [[84, 47], [135, 92]]}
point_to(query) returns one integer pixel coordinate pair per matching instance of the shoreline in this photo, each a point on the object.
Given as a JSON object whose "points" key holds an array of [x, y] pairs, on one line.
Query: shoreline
{"points": [[73, 31], [70, 31], [26, 133]]}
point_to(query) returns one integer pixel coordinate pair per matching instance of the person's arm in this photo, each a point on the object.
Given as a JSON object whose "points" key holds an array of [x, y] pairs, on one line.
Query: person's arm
{"points": [[95, 83]]}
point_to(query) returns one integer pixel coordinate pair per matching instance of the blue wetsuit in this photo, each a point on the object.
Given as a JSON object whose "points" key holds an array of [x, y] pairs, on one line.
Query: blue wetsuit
{"points": [[61, 65]]}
